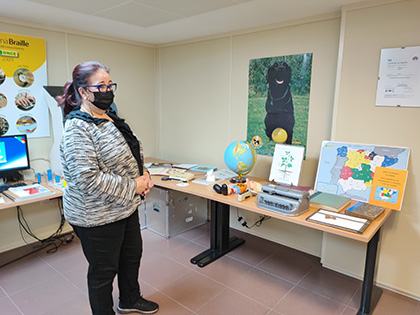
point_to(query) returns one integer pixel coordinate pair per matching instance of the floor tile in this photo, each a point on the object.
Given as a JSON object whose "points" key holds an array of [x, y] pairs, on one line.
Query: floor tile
{"points": [[193, 290], [355, 301], [8, 307], [78, 305], [168, 306], [254, 250], [66, 258], [232, 303], [259, 277], [160, 270], [392, 303], [25, 273], [289, 264], [350, 311], [157, 243], [262, 286], [78, 277], [185, 252], [46, 296], [331, 284], [198, 232], [225, 270], [302, 301]]}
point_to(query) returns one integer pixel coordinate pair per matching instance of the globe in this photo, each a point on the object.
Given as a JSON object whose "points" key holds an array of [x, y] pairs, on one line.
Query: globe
{"points": [[240, 157]]}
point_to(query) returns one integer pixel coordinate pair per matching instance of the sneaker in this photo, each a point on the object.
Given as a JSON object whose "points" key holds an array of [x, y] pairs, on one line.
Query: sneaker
{"points": [[142, 306]]}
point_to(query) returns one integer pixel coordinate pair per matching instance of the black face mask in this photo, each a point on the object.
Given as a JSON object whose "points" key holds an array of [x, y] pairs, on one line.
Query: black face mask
{"points": [[103, 100]]}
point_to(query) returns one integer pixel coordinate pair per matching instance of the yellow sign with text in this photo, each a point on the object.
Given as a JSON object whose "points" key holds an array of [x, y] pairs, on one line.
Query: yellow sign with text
{"points": [[388, 187], [17, 51], [23, 75]]}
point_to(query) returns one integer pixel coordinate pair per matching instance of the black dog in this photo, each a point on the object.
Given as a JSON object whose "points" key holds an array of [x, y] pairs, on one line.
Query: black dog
{"points": [[279, 104]]}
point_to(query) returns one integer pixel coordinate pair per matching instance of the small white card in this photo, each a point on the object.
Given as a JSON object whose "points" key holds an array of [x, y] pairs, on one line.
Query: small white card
{"points": [[287, 164]]}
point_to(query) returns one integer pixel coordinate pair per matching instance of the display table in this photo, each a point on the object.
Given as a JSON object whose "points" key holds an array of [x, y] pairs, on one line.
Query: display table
{"points": [[221, 243], [9, 203]]}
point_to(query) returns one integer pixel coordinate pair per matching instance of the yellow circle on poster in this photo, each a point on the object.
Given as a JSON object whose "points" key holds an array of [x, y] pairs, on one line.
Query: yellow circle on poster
{"points": [[257, 141], [279, 135]]}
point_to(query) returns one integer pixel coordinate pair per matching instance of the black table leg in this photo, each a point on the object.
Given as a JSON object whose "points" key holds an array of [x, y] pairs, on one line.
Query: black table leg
{"points": [[220, 242], [367, 289]]}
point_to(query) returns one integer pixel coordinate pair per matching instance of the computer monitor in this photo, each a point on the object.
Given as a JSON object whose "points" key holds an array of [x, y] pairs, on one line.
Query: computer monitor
{"points": [[54, 91], [14, 156]]}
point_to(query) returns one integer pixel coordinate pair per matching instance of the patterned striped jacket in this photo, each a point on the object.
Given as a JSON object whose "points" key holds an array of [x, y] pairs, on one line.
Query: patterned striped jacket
{"points": [[99, 169]]}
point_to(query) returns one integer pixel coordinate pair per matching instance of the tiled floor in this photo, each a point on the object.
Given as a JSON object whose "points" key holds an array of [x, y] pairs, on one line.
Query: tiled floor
{"points": [[259, 277]]}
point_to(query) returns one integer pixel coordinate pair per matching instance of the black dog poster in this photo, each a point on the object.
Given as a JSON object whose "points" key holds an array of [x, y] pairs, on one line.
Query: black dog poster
{"points": [[278, 101]]}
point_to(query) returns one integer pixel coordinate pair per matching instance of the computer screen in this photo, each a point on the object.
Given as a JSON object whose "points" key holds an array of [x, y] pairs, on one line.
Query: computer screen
{"points": [[54, 90], [14, 155]]}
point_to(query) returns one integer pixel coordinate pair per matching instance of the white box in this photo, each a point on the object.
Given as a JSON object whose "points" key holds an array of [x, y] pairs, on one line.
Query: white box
{"points": [[171, 212]]}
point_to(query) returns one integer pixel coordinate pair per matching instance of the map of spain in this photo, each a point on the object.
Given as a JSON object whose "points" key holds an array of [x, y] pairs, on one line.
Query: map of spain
{"points": [[348, 169]]}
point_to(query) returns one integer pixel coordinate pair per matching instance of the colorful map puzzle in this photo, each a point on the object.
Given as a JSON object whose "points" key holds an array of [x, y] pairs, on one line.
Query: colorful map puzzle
{"points": [[348, 168]]}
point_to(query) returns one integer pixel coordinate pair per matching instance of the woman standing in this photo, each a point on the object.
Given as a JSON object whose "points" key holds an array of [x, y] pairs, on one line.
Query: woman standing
{"points": [[103, 165]]}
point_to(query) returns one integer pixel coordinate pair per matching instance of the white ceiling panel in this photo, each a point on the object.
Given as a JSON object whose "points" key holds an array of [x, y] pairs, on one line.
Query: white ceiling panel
{"points": [[137, 14], [164, 21], [188, 7], [82, 6]]}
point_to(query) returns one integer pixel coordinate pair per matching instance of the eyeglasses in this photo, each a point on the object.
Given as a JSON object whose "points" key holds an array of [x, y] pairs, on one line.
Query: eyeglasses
{"points": [[103, 88]]}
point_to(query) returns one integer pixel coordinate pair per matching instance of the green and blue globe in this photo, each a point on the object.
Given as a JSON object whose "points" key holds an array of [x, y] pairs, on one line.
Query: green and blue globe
{"points": [[240, 157]]}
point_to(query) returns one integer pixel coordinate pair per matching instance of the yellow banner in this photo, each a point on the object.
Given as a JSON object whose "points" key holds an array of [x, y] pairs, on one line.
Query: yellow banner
{"points": [[23, 75], [17, 51]]}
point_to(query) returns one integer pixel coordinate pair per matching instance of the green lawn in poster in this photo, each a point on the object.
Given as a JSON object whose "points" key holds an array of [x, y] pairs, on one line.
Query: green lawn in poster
{"points": [[256, 123]]}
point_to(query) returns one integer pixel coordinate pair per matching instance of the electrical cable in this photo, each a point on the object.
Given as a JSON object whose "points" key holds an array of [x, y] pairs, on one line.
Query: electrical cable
{"points": [[46, 242], [257, 223]]}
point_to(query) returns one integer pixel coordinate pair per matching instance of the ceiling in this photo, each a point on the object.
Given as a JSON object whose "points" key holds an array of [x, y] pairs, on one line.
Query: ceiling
{"points": [[164, 21]]}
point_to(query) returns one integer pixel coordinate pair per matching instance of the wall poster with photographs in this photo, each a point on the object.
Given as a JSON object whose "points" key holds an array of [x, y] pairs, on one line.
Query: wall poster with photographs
{"points": [[23, 73], [278, 101]]}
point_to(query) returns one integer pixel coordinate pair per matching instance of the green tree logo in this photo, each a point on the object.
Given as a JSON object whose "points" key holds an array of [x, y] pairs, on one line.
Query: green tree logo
{"points": [[286, 162]]}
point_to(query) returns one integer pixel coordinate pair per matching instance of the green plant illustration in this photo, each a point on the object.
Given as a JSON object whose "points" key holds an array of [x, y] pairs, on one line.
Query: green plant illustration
{"points": [[286, 162]]}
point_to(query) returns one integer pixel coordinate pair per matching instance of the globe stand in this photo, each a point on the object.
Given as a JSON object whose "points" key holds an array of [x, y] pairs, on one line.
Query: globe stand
{"points": [[238, 179], [240, 157]]}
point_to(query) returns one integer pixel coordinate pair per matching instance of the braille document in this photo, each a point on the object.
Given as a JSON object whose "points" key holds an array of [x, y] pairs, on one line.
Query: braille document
{"points": [[339, 220]]}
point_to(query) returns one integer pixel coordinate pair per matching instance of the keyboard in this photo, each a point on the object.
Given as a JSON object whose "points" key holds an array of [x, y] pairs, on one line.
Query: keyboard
{"points": [[6, 186]]}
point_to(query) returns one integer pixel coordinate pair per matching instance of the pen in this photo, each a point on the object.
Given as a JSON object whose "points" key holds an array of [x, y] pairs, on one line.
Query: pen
{"points": [[173, 178]]}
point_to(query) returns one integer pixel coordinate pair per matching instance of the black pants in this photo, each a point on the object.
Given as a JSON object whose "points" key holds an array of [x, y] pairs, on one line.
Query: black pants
{"points": [[111, 249]]}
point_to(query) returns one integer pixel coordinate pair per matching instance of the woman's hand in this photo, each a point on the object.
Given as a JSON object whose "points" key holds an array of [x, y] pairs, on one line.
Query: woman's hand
{"points": [[25, 100], [143, 184]]}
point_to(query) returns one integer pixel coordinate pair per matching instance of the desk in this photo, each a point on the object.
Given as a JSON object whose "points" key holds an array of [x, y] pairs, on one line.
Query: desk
{"points": [[8, 203], [221, 243], [9, 209]]}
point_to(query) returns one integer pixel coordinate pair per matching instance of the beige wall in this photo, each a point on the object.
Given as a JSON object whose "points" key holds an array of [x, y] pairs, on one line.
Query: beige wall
{"points": [[366, 32], [132, 67], [194, 87], [203, 90], [205, 82]]}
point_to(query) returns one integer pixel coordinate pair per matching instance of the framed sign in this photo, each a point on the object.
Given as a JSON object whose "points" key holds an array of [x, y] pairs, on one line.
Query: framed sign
{"points": [[399, 77]]}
